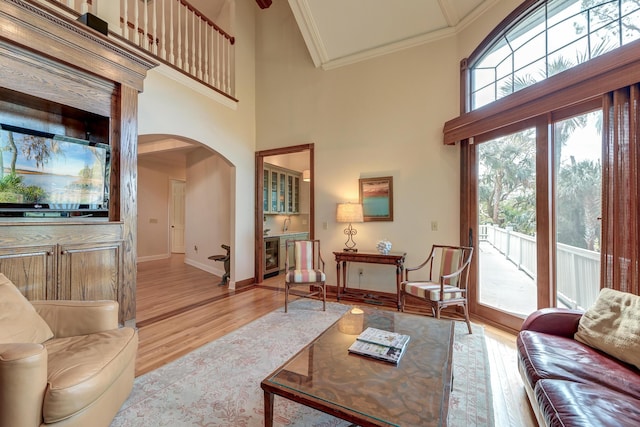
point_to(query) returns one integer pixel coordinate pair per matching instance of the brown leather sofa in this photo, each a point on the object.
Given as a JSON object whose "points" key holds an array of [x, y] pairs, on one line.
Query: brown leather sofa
{"points": [[62, 363], [569, 383]]}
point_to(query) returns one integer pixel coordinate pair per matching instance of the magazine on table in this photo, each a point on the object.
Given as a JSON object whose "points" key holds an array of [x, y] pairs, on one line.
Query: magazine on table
{"points": [[380, 344]]}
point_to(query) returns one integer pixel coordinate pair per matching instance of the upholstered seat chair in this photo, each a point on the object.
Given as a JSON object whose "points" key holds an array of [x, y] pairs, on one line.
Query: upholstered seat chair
{"points": [[62, 363], [304, 266], [445, 284]]}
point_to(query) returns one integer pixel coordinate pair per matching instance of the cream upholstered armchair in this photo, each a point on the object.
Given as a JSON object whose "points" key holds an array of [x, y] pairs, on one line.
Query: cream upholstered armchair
{"points": [[304, 266], [62, 363], [445, 284]]}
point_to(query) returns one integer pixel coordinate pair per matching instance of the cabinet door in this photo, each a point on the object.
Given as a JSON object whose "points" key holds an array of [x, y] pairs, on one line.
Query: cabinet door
{"points": [[296, 195], [265, 192], [31, 269], [290, 193], [90, 271], [282, 192], [273, 185]]}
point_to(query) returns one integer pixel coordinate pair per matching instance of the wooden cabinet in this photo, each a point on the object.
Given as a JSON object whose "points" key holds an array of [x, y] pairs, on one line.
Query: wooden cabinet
{"points": [[59, 74], [32, 269], [281, 191], [74, 264]]}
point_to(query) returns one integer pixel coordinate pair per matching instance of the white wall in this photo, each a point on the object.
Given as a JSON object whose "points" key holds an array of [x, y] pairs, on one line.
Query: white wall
{"points": [[154, 178], [169, 107], [207, 219], [375, 118]]}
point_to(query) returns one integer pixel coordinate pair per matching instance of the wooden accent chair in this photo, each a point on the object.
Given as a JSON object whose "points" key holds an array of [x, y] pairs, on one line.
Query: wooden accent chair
{"points": [[307, 269], [446, 284]]}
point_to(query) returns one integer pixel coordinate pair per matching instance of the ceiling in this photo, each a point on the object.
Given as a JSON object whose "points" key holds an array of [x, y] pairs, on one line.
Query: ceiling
{"points": [[342, 32]]}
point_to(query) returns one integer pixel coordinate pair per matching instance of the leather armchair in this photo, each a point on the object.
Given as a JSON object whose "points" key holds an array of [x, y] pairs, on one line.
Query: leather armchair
{"points": [[62, 363]]}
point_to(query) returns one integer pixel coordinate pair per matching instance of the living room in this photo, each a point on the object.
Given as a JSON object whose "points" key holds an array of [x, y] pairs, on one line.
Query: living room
{"points": [[379, 117]]}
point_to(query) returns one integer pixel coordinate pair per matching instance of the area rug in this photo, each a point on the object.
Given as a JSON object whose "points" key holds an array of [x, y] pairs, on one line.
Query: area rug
{"points": [[219, 383]]}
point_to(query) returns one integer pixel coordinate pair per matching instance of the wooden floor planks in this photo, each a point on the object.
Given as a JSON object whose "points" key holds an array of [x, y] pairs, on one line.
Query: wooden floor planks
{"points": [[180, 308]]}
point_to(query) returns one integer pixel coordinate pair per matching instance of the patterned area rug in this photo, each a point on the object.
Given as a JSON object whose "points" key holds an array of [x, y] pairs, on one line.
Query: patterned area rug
{"points": [[219, 383]]}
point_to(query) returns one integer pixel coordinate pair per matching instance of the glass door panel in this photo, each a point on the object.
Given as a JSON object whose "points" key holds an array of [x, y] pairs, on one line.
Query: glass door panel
{"points": [[507, 255], [578, 195]]}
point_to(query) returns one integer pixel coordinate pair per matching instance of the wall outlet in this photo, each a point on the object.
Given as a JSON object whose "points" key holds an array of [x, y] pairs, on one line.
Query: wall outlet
{"points": [[434, 225], [153, 220], [325, 225]]}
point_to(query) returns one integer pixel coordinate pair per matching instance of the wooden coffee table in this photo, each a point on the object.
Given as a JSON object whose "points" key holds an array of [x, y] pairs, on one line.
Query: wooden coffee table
{"points": [[365, 391]]}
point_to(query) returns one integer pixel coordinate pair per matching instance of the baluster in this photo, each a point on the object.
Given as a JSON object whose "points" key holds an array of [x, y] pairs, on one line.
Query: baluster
{"points": [[145, 30], [172, 57], [200, 58], [225, 75], [136, 17], [154, 40], [205, 54], [163, 35], [179, 46], [125, 17], [218, 60], [192, 70]]}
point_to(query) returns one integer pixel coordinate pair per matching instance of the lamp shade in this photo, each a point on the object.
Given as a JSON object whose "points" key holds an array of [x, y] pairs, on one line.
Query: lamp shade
{"points": [[306, 175], [349, 212]]}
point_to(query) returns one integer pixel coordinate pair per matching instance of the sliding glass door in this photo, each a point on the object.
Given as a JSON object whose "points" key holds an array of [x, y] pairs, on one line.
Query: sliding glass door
{"points": [[536, 189], [578, 201]]}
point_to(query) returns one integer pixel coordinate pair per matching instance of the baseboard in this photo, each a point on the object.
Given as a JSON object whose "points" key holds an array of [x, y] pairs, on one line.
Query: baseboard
{"points": [[209, 268], [153, 257]]}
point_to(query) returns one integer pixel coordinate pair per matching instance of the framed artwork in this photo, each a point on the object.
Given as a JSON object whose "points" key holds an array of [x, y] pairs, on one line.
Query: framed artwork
{"points": [[376, 196]]}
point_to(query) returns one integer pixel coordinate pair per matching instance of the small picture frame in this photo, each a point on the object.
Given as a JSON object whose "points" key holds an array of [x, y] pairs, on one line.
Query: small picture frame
{"points": [[376, 197]]}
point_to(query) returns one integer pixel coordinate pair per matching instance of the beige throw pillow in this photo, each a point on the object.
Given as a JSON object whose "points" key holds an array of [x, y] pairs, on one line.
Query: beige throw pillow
{"points": [[19, 321], [612, 325]]}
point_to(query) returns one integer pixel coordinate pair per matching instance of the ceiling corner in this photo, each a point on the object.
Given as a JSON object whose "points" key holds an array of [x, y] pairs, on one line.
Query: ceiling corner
{"points": [[310, 34]]}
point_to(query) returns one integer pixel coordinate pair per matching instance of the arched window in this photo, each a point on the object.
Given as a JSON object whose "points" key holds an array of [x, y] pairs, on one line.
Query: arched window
{"points": [[549, 38], [553, 156]]}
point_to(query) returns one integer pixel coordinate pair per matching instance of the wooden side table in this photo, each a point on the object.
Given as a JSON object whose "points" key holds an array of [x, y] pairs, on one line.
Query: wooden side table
{"points": [[392, 258]]}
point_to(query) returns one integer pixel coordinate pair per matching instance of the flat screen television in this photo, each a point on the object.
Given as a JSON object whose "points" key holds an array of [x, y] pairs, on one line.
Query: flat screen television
{"points": [[42, 171]]}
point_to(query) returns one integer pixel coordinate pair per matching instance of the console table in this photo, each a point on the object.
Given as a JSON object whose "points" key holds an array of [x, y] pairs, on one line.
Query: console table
{"points": [[392, 258]]}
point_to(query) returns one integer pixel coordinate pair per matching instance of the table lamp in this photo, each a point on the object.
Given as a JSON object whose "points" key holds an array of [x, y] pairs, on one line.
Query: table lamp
{"points": [[349, 213]]}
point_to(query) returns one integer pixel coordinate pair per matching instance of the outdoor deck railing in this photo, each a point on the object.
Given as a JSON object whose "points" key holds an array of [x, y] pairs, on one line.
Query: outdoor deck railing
{"points": [[578, 270], [174, 32]]}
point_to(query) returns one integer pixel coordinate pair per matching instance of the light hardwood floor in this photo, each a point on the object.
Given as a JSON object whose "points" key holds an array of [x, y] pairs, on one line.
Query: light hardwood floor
{"points": [[180, 308]]}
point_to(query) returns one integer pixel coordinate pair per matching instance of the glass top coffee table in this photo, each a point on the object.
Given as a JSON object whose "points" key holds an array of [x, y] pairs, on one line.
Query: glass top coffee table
{"points": [[366, 391]]}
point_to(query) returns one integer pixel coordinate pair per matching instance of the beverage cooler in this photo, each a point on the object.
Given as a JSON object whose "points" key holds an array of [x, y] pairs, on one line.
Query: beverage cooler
{"points": [[271, 256]]}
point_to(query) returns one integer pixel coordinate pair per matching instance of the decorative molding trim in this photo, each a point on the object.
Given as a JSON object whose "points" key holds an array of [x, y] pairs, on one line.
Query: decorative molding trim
{"points": [[318, 52]]}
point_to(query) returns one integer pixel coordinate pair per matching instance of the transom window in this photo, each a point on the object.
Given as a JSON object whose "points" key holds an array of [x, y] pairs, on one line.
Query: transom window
{"points": [[556, 36]]}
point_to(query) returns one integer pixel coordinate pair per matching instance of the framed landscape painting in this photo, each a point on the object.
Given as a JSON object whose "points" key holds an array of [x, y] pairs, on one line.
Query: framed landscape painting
{"points": [[376, 196]]}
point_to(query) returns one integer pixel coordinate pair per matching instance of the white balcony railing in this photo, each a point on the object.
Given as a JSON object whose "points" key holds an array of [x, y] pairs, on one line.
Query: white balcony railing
{"points": [[577, 270], [174, 32]]}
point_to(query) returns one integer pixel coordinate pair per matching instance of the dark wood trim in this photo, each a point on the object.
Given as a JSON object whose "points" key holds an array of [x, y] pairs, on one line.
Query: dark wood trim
{"points": [[259, 211], [544, 215], [264, 4], [585, 82]]}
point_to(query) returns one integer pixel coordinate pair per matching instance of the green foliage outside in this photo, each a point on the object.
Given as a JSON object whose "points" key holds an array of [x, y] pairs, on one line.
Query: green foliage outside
{"points": [[12, 190]]}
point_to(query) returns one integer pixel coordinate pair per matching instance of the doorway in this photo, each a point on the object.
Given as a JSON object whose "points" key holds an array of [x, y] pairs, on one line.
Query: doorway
{"points": [[177, 216], [259, 267]]}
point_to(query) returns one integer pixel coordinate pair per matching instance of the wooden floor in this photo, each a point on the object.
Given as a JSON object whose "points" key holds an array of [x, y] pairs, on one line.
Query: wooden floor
{"points": [[180, 308]]}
